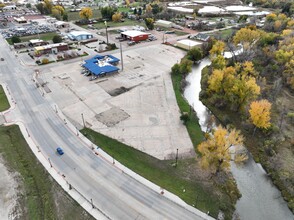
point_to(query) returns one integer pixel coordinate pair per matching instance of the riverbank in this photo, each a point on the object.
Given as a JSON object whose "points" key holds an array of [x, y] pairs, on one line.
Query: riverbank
{"points": [[262, 146]]}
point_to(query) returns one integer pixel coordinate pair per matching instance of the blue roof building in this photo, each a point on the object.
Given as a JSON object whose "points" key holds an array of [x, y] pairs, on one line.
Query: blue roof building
{"points": [[101, 65]]}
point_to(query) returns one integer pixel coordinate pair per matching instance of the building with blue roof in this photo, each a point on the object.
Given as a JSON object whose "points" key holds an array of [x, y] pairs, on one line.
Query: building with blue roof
{"points": [[101, 65]]}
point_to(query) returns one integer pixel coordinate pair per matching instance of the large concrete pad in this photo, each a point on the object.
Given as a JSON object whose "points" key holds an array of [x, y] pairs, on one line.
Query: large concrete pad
{"points": [[137, 106]]}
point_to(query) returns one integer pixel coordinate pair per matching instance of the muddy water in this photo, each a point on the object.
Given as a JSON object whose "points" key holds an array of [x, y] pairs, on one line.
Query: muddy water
{"points": [[260, 200]]}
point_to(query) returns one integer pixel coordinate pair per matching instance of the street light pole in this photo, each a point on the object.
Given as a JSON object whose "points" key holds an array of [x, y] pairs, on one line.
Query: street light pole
{"points": [[177, 158], [121, 57], [83, 119], [105, 22]]}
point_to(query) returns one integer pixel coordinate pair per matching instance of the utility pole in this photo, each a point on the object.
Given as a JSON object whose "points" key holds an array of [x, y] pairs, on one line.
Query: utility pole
{"points": [[50, 162], [105, 22], [121, 57], [83, 119], [177, 158]]}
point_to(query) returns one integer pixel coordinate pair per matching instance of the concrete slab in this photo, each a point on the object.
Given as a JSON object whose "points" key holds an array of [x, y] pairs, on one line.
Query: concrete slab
{"points": [[138, 103]]}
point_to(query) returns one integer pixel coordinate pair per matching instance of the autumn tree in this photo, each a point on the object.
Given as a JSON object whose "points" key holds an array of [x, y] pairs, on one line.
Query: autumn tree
{"points": [[218, 62], [194, 54], [116, 17], [148, 9], [235, 85], [86, 13], [215, 151], [217, 49], [58, 11], [260, 114], [127, 2], [149, 22]]}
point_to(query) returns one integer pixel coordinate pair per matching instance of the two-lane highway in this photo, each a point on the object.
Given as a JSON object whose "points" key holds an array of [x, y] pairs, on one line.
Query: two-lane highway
{"points": [[116, 194]]}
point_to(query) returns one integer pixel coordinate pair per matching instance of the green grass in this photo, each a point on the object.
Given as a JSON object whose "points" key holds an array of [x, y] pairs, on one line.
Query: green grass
{"points": [[123, 9], [74, 16], [45, 37], [223, 34], [4, 104], [159, 172], [192, 125], [111, 24], [42, 197]]}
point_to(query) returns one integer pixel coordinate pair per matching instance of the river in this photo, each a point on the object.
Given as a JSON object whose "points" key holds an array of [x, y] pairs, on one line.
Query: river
{"points": [[260, 200]]}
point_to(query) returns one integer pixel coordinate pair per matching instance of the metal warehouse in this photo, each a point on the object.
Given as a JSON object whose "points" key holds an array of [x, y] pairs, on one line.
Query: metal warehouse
{"points": [[135, 35]]}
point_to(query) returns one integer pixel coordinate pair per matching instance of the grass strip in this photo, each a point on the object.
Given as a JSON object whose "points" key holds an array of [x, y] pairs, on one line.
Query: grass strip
{"points": [[44, 37], [4, 104], [192, 125], [159, 172]]}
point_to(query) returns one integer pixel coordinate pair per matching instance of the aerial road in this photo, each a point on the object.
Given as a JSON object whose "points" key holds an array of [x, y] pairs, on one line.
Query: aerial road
{"points": [[116, 194]]}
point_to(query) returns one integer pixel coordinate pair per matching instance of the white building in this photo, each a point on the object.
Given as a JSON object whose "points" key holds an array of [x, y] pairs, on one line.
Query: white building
{"points": [[164, 23], [79, 35], [188, 44]]}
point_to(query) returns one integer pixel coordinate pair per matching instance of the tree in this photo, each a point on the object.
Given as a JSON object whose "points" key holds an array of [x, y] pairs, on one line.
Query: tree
{"points": [[127, 3], [185, 66], [215, 151], [140, 11], [48, 6], [86, 13], [176, 69], [65, 17], [260, 113], [247, 38], [56, 39], [107, 12], [15, 39], [149, 22], [155, 9], [148, 9], [28, 5], [195, 54], [41, 8], [218, 62], [116, 17], [57, 11], [217, 48], [135, 11]]}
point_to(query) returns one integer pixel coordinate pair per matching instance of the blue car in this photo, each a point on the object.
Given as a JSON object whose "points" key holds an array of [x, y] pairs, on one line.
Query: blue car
{"points": [[59, 151]]}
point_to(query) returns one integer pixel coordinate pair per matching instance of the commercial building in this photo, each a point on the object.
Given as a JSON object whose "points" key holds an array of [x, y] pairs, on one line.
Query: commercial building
{"points": [[79, 35], [37, 42], [101, 65], [188, 44], [134, 35], [50, 48], [20, 20], [61, 24], [164, 23]]}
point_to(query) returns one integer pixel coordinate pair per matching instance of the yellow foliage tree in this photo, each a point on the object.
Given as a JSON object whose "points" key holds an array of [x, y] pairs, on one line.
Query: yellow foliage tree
{"points": [[58, 11], [215, 151], [218, 62], [116, 17], [148, 8], [86, 13], [247, 37], [217, 48], [260, 113], [127, 3]]}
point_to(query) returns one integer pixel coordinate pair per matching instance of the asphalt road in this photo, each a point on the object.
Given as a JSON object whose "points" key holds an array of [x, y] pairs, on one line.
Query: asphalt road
{"points": [[116, 194]]}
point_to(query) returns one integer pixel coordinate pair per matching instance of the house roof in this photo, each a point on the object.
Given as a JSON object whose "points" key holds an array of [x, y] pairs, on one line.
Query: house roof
{"points": [[164, 22], [133, 33]]}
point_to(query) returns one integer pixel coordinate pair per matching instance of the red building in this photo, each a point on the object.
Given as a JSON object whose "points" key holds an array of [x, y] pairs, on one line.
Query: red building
{"points": [[134, 35]]}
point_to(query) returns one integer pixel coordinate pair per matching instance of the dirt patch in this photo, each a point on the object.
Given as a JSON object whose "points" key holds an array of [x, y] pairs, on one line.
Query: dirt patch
{"points": [[112, 116], [118, 91]]}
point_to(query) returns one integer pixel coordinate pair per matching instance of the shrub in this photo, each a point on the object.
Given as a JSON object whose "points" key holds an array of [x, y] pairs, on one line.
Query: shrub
{"points": [[15, 39], [56, 39], [45, 61]]}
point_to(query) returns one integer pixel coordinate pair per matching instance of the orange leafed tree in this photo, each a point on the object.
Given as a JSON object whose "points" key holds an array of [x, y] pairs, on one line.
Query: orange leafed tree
{"points": [[260, 113]]}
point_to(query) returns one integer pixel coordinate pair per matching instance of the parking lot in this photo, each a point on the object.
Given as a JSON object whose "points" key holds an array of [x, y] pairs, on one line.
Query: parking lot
{"points": [[137, 106]]}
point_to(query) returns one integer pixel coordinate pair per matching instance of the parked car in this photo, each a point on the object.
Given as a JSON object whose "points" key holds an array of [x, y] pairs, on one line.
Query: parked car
{"points": [[59, 151], [130, 43]]}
